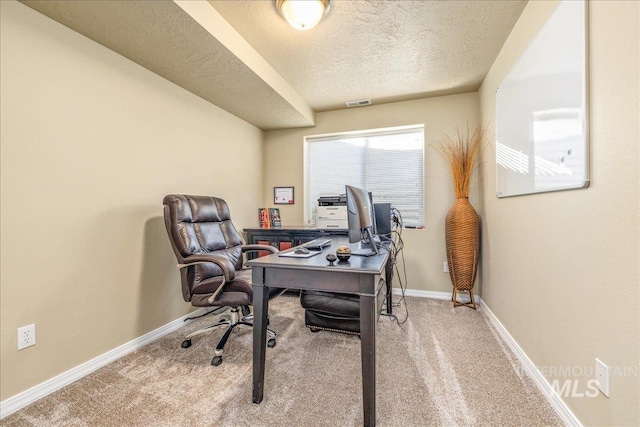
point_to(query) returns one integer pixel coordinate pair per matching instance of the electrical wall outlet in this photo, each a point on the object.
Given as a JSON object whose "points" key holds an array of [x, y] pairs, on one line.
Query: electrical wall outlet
{"points": [[445, 268], [26, 336], [602, 377]]}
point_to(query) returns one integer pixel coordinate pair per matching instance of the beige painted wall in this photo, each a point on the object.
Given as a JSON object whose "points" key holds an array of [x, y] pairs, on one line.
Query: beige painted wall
{"points": [[561, 270], [424, 249], [91, 143]]}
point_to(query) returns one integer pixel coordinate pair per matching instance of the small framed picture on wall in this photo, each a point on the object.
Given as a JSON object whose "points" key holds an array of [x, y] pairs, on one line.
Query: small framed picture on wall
{"points": [[283, 195]]}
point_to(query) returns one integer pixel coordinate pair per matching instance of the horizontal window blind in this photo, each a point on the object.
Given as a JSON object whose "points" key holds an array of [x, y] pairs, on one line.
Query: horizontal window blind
{"points": [[387, 162]]}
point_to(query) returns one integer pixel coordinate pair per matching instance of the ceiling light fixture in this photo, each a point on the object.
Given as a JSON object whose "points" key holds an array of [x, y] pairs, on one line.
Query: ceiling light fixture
{"points": [[303, 14]]}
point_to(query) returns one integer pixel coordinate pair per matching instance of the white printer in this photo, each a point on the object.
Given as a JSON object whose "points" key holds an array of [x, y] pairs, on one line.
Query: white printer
{"points": [[332, 212]]}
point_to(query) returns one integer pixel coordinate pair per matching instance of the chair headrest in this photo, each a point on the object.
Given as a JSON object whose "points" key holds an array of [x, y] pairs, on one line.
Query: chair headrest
{"points": [[197, 209]]}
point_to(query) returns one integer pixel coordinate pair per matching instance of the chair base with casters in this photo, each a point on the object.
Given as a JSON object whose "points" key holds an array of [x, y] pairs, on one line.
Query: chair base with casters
{"points": [[230, 322]]}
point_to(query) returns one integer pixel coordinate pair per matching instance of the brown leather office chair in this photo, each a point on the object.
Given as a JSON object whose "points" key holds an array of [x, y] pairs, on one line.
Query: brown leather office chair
{"points": [[210, 257]]}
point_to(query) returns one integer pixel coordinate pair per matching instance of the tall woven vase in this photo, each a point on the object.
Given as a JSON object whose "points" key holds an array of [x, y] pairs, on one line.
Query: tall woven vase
{"points": [[462, 233]]}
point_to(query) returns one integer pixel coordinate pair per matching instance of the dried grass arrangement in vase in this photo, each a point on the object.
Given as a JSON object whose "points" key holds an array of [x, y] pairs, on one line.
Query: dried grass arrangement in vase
{"points": [[462, 224]]}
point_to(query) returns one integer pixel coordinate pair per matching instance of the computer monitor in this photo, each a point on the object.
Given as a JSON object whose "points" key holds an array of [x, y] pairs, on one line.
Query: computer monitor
{"points": [[360, 220], [382, 219]]}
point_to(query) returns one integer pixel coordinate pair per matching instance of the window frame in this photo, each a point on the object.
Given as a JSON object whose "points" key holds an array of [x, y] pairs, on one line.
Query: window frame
{"points": [[309, 139]]}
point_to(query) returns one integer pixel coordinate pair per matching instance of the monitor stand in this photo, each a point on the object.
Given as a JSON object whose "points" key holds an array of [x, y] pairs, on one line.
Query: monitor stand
{"points": [[366, 247]]}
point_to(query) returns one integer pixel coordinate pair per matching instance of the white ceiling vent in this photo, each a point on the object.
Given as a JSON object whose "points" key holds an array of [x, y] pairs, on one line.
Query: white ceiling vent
{"points": [[359, 103]]}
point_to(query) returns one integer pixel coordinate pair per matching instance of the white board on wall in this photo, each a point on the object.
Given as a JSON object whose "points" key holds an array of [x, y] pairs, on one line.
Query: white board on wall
{"points": [[542, 141]]}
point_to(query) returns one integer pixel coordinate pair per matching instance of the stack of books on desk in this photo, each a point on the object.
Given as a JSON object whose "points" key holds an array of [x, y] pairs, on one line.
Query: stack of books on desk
{"points": [[269, 217]]}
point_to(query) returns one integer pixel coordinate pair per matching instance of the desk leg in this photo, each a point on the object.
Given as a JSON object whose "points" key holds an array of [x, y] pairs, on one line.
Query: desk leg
{"points": [[260, 310], [388, 278], [368, 353]]}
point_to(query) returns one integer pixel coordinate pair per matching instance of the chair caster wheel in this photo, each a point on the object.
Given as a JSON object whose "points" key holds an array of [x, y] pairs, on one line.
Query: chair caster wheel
{"points": [[186, 343], [314, 330], [271, 343], [216, 361]]}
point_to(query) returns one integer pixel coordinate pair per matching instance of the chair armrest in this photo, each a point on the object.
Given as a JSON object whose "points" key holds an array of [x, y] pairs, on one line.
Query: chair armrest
{"points": [[228, 270], [253, 248]]}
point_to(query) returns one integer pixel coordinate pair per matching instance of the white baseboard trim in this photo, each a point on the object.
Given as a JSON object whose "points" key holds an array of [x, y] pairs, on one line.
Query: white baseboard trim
{"points": [[556, 401], [20, 400], [434, 294]]}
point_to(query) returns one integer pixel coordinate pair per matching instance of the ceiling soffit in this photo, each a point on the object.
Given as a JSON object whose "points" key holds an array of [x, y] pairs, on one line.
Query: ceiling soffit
{"points": [[164, 38]]}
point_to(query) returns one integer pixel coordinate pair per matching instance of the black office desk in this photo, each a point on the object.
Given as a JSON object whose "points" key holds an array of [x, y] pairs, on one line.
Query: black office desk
{"points": [[362, 276]]}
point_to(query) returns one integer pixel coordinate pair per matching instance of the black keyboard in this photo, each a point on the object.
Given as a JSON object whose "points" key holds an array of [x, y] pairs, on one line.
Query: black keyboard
{"points": [[317, 244]]}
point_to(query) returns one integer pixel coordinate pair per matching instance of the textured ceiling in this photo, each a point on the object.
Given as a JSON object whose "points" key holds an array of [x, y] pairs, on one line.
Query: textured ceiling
{"points": [[265, 72], [382, 50]]}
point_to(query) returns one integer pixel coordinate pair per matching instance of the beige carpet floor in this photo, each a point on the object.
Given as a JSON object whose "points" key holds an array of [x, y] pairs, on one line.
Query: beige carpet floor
{"points": [[442, 367]]}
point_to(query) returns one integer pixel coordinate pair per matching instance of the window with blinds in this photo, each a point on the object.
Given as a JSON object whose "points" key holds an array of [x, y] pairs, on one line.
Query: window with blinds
{"points": [[387, 162]]}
